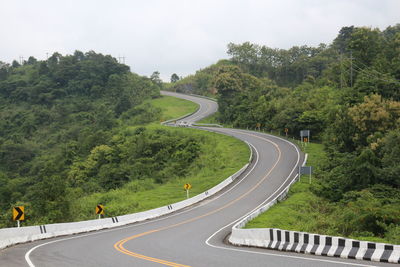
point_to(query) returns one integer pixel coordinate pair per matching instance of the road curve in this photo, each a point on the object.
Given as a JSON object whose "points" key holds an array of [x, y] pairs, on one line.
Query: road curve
{"points": [[194, 236]]}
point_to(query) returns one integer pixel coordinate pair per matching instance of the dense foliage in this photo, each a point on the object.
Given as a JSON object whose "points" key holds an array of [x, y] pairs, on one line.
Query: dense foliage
{"points": [[347, 93], [81, 130], [58, 121], [200, 83]]}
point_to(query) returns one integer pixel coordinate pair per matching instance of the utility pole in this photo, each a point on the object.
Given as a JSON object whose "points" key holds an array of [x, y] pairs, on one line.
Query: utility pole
{"points": [[351, 68], [341, 70], [121, 60]]}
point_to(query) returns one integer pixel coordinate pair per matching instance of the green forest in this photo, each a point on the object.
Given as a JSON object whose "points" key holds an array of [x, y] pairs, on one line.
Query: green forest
{"points": [[347, 94], [54, 114], [80, 130]]}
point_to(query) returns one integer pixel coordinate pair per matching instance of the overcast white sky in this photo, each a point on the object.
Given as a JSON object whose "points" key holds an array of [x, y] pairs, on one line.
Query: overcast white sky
{"points": [[177, 36]]}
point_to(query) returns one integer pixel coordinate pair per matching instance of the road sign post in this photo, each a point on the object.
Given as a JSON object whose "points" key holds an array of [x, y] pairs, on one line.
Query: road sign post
{"points": [[305, 170], [305, 136], [18, 214], [187, 188], [286, 131]]}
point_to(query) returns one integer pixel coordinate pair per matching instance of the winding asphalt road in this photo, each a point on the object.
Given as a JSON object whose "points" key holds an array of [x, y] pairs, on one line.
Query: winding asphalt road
{"points": [[194, 236]]}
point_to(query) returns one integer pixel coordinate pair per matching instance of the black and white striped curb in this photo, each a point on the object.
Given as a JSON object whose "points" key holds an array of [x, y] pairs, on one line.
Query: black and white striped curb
{"points": [[322, 245], [302, 242]]}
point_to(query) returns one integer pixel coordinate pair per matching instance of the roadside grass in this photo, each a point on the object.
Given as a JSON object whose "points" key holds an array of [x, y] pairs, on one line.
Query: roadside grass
{"points": [[173, 107], [296, 212], [303, 210], [220, 157]]}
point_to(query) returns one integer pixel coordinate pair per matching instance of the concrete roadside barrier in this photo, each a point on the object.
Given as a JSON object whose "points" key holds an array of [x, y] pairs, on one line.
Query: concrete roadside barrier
{"points": [[308, 243], [12, 236]]}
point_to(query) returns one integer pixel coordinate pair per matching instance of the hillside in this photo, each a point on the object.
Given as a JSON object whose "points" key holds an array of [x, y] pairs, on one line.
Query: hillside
{"points": [[81, 130], [55, 113], [347, 94]]}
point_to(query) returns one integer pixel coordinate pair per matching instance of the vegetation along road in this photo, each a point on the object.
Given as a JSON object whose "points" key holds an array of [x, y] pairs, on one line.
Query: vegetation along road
{"points": [[192, 237]]}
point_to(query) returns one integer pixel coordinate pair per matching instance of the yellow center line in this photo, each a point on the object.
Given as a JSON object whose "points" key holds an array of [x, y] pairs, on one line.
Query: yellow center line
{"points": [[120, 244]]}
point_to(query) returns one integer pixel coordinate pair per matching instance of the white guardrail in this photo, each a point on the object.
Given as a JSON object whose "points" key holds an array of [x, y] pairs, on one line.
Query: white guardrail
{"points": [[12, 236], [302, 242]]}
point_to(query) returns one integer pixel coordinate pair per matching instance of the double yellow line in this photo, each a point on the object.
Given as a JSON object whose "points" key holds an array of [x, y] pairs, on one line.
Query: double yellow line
{"points": [[120, 244]]}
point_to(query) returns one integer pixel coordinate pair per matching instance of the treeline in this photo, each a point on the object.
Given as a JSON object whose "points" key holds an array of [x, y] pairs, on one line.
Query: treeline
{"points": [[347, 93], [63, 129]]}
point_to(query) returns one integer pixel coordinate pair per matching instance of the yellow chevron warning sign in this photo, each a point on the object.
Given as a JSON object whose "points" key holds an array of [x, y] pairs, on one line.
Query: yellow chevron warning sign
{"points": [[100, 209], [18, 213]]}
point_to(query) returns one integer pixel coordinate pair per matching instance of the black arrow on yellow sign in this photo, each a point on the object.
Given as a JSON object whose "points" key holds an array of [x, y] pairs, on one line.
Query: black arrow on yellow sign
{"points": [[18, 213], [99, 209]]}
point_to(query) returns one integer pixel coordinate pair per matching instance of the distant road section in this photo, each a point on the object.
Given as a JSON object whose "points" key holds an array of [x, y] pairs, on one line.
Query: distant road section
{"points": [[206, 106]]}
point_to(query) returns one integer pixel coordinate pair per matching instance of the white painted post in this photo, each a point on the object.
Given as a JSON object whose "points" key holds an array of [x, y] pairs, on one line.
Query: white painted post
{"points": [[18, 224]]}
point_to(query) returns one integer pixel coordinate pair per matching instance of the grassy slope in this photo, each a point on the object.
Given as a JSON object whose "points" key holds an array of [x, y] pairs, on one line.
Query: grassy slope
{"points": [[173, 107], [303, 210], [220, 157], [293, 213]]}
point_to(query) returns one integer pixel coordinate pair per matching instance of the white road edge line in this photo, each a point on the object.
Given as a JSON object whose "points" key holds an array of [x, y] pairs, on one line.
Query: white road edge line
{"points": [[263, 203], [30, 263]]}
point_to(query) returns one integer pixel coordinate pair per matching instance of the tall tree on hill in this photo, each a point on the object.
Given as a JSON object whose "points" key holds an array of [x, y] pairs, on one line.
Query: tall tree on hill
{"points": [[341, 42], [228, 82], [174, 78], [155, 78]]}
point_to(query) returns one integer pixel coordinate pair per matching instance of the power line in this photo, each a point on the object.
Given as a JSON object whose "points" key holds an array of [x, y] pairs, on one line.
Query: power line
{"points": [[374, 75], [365, 71]]}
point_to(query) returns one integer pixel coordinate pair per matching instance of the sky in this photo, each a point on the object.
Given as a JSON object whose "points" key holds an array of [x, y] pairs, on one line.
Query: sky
{"points": [[177, 36]]}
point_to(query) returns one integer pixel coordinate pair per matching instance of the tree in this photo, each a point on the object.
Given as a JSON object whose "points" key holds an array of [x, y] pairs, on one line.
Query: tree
{"points": [[341, 42], [365, 43], [391, 158], [15, 64], [31, 61], [3, 70], [228, 84], [174, 78], [374, 115], [155, 78], [246, 55]]}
